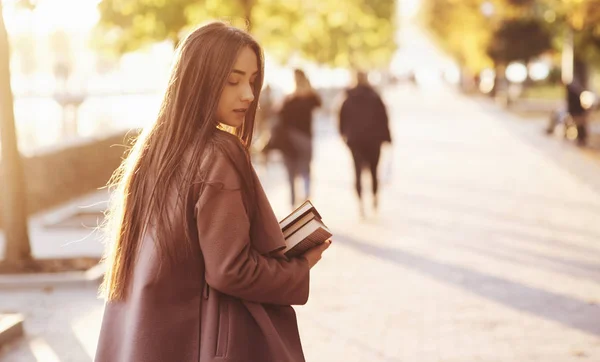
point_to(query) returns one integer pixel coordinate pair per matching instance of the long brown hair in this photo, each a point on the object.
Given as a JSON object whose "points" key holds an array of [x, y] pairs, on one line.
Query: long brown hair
{"points": [[185, 125]]}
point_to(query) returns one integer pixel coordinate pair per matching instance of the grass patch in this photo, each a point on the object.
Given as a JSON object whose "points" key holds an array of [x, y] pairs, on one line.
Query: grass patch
{"points": [[544, 91]]}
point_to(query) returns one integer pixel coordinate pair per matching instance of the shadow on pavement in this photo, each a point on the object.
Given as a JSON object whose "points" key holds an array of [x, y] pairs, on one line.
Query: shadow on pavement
{"points": [[420, 199], [55, 325], [495, 247], [487, 191], [567, 311]]}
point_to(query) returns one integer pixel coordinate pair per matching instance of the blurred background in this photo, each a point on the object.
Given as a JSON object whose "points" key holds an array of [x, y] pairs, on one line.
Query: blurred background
{"points": [[484, 245], [107, 62], [79, 75]]}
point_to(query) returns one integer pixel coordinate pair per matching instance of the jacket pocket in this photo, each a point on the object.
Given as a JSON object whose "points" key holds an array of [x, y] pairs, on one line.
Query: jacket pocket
{"points": [[223, 329]]}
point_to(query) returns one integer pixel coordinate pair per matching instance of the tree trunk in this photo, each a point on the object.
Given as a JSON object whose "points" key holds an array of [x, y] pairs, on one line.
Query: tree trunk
{"points": [[248, 5], [567, 57], [581, 71], [13, 198]]}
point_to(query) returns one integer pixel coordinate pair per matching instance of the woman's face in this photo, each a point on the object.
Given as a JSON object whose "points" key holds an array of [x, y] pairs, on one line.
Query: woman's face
{"points": [[238, 92]]}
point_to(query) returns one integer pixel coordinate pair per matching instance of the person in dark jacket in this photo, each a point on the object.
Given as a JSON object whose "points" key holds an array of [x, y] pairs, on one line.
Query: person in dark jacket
{"points": [[578, 112], [294, 133], [364, 126]]}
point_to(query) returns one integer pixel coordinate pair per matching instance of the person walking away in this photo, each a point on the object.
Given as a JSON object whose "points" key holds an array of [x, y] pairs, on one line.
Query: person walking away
{"points": [[295, 117], [577, 111], [264, 114], [364, 126]]}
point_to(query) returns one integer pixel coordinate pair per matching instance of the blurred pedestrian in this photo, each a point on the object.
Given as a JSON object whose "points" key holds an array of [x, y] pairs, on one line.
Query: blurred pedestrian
{"points": [[195, 268], [295, 133], [578, 113], [364, 126], [264, 114]]}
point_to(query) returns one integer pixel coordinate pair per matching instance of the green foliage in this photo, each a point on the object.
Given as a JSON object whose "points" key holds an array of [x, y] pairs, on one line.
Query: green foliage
{"points": [[461, 30], [134, 23], [358, 34], [517, 29], [583, 18]]}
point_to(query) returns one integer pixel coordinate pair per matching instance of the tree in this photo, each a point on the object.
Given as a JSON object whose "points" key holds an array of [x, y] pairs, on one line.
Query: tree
{"points": [[583, 19], [479, 33], [461, 29], [575, 26], [14, 213], [518, 40], [360, 33], [482, 33]]}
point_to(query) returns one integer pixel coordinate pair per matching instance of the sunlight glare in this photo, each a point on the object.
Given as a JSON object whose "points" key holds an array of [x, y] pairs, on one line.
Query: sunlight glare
{"points": [[42, 351], [86, 336], [51, 15]]}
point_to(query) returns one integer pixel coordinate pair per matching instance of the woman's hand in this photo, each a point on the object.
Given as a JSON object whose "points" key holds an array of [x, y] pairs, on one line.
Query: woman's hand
{"points": [[314, 255], [278, 254]]}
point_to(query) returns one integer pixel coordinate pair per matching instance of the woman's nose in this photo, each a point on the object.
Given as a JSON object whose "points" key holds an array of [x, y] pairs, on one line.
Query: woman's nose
{"points": [[248, 94]]}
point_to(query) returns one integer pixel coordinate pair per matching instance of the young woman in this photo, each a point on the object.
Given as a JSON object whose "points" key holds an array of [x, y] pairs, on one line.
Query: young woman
{"points": [[195, 269]]}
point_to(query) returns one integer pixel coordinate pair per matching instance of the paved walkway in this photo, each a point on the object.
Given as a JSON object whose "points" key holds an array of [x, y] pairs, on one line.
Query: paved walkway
{"points": [[486, 248]]}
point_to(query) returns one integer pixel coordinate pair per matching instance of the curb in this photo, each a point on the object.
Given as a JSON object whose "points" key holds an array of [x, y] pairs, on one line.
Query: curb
{"points": [[11, 327], [91, 276]]}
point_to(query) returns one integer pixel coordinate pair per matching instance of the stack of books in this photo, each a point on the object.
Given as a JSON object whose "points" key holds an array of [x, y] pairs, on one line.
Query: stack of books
{"points": [[303, 229]]}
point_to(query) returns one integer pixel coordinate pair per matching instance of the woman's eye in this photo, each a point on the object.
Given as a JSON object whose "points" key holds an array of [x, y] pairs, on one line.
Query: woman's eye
{"points": [[233, 82]]}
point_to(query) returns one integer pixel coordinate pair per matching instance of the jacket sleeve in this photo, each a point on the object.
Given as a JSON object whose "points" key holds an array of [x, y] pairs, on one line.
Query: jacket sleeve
{"points": [[317, 100], [384, 122], [343, 118], [232, 265]]}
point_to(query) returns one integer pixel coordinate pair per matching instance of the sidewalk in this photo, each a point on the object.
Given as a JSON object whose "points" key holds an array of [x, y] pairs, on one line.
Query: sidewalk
{"points": [[485, 249], [538, 111]]}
